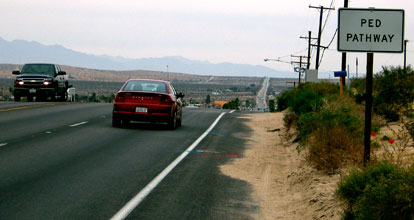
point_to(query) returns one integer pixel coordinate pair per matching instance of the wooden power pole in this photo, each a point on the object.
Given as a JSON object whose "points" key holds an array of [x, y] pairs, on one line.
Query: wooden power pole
{"points": [[318, 51]]}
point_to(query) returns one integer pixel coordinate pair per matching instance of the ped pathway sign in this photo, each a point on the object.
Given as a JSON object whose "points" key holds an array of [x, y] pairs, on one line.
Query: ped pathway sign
{"points": [[371, 30]]}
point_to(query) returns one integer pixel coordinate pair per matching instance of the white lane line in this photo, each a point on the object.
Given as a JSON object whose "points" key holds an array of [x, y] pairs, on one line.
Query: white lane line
{"points": [[80, 123], [134, 202], [3, 144], [232, 111]]}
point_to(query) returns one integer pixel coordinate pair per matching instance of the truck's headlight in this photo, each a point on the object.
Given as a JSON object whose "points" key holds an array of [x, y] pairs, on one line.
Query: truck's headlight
{"points": [[20, 83], [46, 83]]}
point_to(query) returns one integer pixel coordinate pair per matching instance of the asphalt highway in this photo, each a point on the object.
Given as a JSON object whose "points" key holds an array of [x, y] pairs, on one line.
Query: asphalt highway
{"points": [[66, 161], [261, 96]]}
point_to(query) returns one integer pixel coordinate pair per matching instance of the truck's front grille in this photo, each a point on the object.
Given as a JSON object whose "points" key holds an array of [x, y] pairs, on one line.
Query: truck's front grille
{"points": [[34, 82]]}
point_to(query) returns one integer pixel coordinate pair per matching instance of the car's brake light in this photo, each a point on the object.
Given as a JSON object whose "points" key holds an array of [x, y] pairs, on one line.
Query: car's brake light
{"points": [[166, 99], [120, 97]]}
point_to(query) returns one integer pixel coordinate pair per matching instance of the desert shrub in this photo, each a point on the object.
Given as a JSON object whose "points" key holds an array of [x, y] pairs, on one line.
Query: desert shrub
{"points": [[336, 112], [305, 102], [332, 148], [334, 135], [380, 191], [410, 128], [290, 119], [272, 105], [393, 92], [307, 97], [283, 100]]}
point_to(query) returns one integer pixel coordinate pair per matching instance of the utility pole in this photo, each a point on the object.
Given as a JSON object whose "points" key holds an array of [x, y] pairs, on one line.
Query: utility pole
{"points": [[343, 67], [309, 47], [405, 55], [300, 64], [320, 32]]}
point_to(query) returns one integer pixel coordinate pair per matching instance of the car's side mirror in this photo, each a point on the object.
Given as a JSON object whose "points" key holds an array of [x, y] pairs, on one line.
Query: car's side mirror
{"points": [[16, 72], [180, 95], [61, 73]]}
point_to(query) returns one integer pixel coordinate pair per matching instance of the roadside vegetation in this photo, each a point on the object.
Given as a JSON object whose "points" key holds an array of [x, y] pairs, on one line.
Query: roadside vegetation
{"points": [[330, 131]]}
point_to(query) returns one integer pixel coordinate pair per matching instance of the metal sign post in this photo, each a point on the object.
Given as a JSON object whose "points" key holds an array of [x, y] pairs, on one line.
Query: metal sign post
{"points": [[373, 31]]}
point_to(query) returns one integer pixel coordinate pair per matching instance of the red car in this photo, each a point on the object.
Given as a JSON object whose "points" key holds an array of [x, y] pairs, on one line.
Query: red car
{"points": [[148, 101]]}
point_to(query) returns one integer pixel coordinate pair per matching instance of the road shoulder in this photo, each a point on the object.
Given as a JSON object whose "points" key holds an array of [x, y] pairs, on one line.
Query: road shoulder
{"points": [[286, 187]]}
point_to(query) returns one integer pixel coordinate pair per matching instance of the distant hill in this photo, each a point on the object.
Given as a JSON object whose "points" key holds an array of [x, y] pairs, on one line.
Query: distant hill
{"points": [[20, 52]]}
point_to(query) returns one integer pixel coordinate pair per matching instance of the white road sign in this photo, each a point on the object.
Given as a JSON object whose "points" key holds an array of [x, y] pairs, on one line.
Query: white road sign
{"points": [[370, 30]]}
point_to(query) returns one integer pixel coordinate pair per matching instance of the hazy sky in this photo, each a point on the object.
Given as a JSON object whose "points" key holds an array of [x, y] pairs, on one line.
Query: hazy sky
{"points": [[238, 31]]}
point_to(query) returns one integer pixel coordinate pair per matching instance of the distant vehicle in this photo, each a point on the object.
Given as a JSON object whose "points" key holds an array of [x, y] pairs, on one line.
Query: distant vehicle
{"points": [[40, 80], [147, 101]]}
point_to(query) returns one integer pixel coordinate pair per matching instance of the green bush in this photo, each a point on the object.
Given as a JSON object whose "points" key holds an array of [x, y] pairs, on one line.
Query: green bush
{"points": [[307, 97], [283, 100], [381, 191], [272, 105], [305, 102], [336, 112], [393, 92]]}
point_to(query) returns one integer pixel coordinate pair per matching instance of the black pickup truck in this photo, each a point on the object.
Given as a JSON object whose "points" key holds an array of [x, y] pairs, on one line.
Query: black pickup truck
{"points": [[41, 80]]}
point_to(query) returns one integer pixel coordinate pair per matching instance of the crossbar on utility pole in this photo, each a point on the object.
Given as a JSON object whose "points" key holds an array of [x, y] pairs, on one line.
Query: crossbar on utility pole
{"points": [[294, 84], [320, 32]]}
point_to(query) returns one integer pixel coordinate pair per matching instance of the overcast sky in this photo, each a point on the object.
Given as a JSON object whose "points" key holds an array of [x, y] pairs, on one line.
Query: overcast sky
{"points": [[238, 31]]}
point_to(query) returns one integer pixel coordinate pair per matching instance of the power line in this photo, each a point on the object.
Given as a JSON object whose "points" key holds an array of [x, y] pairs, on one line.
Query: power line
{"points": [[323, 53]]}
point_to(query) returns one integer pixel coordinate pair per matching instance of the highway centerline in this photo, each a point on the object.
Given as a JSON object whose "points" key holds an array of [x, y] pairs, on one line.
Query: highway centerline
{"points": [[77, 124], [25, 107], [134, 202]]}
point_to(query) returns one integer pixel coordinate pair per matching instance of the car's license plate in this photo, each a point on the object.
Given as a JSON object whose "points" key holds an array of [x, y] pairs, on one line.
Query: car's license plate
{"points": [[141, 109], [32, 91]]}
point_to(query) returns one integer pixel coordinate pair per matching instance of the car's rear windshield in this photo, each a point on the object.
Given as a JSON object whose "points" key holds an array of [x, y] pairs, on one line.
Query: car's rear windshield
{"points": [[46, 69], [146, 86]]}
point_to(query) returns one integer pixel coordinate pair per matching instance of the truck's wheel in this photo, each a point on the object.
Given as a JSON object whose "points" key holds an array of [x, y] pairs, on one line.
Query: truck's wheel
{"points": [[63, 96], [17, 98]]}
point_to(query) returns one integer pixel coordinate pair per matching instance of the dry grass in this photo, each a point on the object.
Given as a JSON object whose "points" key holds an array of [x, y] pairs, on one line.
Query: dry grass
{"points": [[396, 144], [332, 149]]}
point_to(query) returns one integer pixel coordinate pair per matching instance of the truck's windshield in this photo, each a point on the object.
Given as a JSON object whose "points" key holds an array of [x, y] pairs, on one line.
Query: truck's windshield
{"points": [[47, 69]]}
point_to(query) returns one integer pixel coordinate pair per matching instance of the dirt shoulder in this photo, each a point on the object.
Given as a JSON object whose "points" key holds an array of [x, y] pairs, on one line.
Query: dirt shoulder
{"points": [[285, 186]]}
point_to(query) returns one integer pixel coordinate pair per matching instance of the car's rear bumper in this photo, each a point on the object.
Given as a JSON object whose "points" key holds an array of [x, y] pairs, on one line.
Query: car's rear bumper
{"points": [[154, 112]]}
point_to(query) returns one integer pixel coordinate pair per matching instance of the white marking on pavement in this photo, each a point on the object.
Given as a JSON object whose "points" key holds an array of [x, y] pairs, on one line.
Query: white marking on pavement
{"points": [[80, 123], [134, 202], [3, 144], [232, 111], [48, 132]]}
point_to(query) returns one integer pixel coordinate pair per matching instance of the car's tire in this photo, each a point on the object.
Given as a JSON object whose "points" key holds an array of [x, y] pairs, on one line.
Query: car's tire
{"points": [[179, 121], [30, 98], [17, 98], [116, 121], [172, 123]]}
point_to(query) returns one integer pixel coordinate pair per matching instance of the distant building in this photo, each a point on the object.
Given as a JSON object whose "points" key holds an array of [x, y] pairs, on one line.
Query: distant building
{"points": [[219, 103]]}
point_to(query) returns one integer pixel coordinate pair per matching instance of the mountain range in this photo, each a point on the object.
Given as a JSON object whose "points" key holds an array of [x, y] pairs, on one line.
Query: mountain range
{"points": [[21, 51]]}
